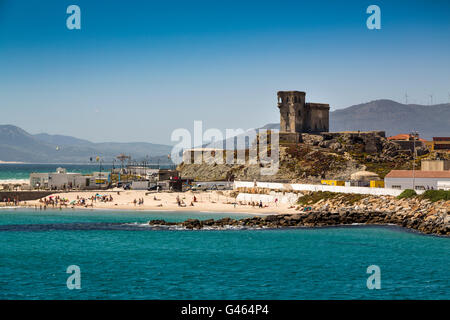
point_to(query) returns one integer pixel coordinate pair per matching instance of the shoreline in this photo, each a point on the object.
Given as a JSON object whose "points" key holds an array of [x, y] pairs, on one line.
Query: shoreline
{"points": [[315, 219], [206, 202], [418, 214], [12, 162], [179, 227], [128, 209]]}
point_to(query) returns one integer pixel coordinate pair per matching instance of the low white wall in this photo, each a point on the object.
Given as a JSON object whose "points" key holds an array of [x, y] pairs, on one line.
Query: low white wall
{"points": [[243, 184], [270, 185], [319, 187], [289, 198]]}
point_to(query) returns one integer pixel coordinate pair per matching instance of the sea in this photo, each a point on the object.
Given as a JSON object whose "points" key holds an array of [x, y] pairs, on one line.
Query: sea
{"points": [[118, 256], [20, 172]]}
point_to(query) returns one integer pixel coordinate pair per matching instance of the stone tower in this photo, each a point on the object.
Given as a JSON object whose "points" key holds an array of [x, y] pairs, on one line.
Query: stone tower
{"points": [[297, 116], [292, 110]]}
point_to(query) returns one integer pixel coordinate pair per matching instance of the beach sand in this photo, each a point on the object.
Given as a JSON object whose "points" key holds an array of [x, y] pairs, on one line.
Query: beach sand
{"points": [[209, 201]]}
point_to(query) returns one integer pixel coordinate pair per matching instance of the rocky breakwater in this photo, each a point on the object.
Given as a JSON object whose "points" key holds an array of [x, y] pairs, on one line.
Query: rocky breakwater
{"points": [[413, 213], [420, 215]]}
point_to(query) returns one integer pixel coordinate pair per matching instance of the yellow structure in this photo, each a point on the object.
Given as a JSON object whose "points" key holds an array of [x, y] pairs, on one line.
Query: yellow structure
{"points": [[377, 183], [441, 144], [333, 182]]}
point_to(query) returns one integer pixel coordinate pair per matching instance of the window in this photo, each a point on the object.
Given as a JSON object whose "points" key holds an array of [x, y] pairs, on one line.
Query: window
{"points": [[420, 188], [396, 187]]}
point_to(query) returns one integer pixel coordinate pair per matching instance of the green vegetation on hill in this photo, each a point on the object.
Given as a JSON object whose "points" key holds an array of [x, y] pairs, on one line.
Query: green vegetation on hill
{"points": [[406, 194], [432, 195], [314, 197], [305, 161], [435, 195]]}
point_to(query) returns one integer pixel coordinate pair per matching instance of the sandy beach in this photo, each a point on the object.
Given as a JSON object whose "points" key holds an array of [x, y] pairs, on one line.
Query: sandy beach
{"points": [[11, 162], [212, 201]]}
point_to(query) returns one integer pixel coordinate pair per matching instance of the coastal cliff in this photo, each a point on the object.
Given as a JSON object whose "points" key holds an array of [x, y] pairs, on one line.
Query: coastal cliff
{"points": [[318, 156]]}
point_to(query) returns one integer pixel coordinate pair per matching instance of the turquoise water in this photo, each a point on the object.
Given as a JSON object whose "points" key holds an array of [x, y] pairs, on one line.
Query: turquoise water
{"points": [[22, 171], [121, 259]]}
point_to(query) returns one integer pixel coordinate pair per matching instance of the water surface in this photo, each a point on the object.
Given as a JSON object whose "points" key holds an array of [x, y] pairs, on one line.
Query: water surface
{"points": [[119, 262]]}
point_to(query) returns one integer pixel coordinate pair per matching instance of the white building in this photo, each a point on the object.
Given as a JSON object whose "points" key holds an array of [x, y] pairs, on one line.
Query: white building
{"points": [[140, 185], [423, 180], [54, 180], [443, 185], [61, 179]]}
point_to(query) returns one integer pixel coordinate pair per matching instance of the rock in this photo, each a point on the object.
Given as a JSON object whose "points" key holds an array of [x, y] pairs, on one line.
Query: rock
{"points": [[424, 216]]}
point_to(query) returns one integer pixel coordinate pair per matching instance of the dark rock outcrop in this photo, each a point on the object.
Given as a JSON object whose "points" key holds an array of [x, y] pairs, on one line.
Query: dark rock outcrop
{"points": [[425, 224]]}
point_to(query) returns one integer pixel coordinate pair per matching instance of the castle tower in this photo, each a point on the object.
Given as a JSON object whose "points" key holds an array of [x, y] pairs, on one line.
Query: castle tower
{"points": [[297, 116], [292, 110]]}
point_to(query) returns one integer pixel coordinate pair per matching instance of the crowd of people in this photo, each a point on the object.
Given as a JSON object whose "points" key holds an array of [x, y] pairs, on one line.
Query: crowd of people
{"points": [[139, 202], [54, 201], [11, 201], [91, 200]]}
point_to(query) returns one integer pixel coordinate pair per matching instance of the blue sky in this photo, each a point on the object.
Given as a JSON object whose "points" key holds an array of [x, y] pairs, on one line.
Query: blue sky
{"points": [[137, 70]]}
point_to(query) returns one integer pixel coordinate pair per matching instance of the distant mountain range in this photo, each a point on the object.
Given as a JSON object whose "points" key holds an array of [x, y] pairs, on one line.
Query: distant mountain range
{"points": [[390, 116], [18, 145], [394, 118]]}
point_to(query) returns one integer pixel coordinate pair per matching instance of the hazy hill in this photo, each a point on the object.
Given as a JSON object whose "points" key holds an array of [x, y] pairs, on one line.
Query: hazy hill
{"points": [[18, 145], [387, 115], [392, 117]]}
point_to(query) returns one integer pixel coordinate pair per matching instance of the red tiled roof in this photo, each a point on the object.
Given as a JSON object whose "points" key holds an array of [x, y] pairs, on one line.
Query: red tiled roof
{"points": [[441, 138], [404, 136], [400, 137], [418, 174]]}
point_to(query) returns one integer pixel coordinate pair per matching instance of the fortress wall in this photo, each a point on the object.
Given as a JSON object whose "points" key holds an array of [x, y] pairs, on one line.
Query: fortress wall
{"points": [[319, 119]]}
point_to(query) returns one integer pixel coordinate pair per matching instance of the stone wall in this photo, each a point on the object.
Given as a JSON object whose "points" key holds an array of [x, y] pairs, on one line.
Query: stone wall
{"points": [[25, 195], [435, 165], [319, 117]]}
